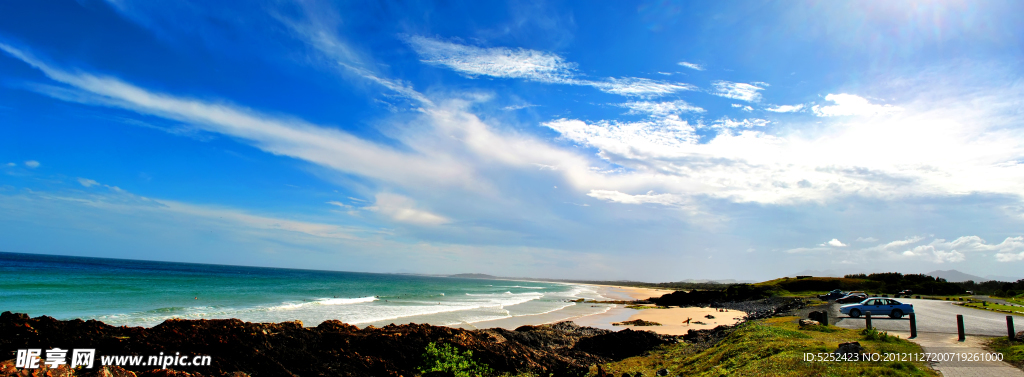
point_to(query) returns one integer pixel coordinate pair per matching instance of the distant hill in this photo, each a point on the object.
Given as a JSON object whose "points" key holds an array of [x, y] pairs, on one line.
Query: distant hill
{"points": [[720, 281], [473, 276], [954, 276]]}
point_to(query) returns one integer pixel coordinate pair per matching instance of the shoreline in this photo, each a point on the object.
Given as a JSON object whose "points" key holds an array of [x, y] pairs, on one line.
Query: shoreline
{"points": [[672, 320]]}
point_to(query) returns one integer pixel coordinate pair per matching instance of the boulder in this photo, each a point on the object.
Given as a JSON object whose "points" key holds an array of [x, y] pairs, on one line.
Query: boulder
{"points": [[820, 316], [661, 372], [808, 322], [850, 348]]}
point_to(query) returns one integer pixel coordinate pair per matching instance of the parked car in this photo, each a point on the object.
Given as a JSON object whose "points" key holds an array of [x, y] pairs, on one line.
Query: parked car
{"points": [[834, 294], [852, 297], [906, 292], [877, 306]]}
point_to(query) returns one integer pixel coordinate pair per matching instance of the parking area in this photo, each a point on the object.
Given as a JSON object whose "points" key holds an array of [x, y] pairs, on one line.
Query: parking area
{"points": [[935, 316]]}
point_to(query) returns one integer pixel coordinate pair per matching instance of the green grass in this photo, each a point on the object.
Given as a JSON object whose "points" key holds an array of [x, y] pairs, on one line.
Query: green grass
{"points": [[775, 347], [995, 307], [1013, 351]]}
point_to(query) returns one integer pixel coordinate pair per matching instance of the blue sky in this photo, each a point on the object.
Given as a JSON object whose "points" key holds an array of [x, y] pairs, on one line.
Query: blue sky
{"points": [[607, 140]]}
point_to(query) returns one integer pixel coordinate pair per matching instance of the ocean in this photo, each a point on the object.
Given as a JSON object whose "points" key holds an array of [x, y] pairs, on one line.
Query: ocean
{"points": [[145, 293]]}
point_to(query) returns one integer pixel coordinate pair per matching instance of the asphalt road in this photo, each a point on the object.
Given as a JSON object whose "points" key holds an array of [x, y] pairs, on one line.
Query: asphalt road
{"points": [[940, 317]]}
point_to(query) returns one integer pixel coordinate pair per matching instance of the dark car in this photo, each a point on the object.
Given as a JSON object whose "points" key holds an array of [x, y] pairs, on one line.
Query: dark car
{"points": [[906, 292], [851, 298], [834, 294]]}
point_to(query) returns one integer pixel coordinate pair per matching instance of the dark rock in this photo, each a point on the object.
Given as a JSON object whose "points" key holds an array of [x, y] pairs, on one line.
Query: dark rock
{"points": [[661, 372], [851, 348], [820, 316], [332, 348], [622, 344], [636, 322]]}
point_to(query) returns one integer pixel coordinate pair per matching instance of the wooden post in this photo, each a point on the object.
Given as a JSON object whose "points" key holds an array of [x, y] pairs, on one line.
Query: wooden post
{"points": [[824, 318], [960, 327], [913, 325], [867, 319], [1009, 327]]}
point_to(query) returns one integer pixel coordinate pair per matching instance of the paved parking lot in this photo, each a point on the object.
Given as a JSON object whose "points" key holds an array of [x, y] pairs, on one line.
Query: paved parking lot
{"points": [[940, 317]]}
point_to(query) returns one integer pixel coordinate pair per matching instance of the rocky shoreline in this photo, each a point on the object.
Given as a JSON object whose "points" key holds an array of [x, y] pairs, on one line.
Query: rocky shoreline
{"points": [[334, 348]]}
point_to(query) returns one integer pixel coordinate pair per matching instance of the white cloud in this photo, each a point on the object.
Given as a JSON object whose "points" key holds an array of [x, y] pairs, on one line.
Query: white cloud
{"points": [[659, 137], [283, 136], [495, 62], [32, 164], [867, 239], [694, 66], [660, 109], [786, 108], [834, 243], [849, 104], [339, 204], [531, 65], [11, 164], [737, 90], [87, 182], [518, 107], [650, 197], [639, 87], [743, 123], [955, 144], [743, 107], [402, 209]]}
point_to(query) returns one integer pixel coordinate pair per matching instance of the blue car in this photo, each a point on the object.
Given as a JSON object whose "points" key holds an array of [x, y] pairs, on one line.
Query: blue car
{"points": [[877, 306]]}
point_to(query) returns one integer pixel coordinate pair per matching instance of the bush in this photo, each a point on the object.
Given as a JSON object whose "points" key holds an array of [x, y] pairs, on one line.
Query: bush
{"points": [[446, 358], [881, 336]]}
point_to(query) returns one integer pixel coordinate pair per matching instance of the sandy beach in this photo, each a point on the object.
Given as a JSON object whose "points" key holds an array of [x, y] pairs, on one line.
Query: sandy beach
{"points": [[671, 320]]}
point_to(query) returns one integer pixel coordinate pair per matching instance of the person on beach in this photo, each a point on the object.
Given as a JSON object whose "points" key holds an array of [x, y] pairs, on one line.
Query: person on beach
{"points": [[687, 321]]}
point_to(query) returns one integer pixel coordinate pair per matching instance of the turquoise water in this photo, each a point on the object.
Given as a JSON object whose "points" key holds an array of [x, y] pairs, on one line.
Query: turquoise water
{"points": [[145, 293]]}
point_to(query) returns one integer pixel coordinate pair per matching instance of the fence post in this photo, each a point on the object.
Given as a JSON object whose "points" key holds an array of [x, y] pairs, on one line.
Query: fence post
{"points": [[1009, 327], [825, 318], [960, 327], [913, 325], [867, 319]]}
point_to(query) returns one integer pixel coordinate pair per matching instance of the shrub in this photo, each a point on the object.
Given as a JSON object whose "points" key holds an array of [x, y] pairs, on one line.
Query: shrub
{"points": [[881, 336], [446, 358]]}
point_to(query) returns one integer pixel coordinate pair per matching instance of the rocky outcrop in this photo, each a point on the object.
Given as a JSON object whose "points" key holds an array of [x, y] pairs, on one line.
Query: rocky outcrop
{"points": [[331, 349], [636, 322]]}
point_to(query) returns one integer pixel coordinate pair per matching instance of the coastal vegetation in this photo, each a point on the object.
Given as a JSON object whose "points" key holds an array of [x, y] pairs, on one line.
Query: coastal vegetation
{"points": [[1012, 350], [888, 282], [774, 347], [446, 358]]}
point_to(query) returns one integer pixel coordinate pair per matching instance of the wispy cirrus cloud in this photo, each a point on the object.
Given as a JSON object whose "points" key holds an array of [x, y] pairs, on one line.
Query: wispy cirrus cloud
{"points": [[852, 105], [737, 90], [660, 108], [284, 136], [403, 209], [531, 65], [495, 61], [693, 66]]}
